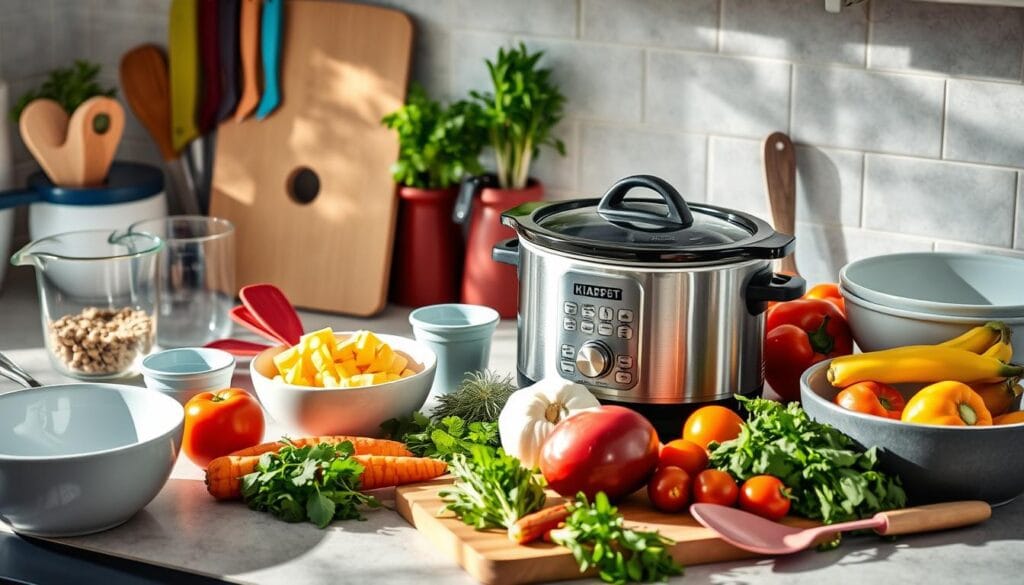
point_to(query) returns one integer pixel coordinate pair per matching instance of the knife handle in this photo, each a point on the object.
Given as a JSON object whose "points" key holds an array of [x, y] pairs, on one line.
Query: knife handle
{"points": [[209, 56], [270, 42], [934, 517], [227, 41], [248, 50]]}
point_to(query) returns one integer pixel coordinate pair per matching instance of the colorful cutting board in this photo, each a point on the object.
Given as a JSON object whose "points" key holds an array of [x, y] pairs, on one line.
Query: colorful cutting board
{"points": [[308, 188]]}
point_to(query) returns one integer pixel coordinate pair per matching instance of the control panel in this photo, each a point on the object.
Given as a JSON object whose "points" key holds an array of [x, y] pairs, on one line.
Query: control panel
{"points": [[599, 331]]}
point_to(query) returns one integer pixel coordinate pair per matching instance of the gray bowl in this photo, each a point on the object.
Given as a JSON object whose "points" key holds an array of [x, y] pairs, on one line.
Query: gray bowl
{"points": [[936, 463]]}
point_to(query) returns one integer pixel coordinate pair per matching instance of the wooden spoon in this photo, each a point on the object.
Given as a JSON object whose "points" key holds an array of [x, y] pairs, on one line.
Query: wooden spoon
{"points": [[75, 151], [44, 127], [780, 182], [249, 48]]}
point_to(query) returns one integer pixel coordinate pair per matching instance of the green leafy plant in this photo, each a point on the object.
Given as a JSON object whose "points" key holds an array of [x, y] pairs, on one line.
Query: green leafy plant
{"points": [[438, 145], [492, 489], [829, 479], [523, 108], [441, 439], [596, 535], [67, 86], [479, 398], [316, 483]]}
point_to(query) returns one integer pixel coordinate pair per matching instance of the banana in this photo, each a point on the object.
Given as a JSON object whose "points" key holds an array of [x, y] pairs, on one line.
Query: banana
{"points": [[980, 338], [919, 363], [1002, 351]]}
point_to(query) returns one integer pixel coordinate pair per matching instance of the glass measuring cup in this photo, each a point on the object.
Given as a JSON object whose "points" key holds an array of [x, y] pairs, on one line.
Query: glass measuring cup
{"points": [[99, 291]]}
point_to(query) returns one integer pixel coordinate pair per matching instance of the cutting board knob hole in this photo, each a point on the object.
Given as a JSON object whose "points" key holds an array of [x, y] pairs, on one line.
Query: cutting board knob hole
{"points": [[101, 123], [303, 185]]}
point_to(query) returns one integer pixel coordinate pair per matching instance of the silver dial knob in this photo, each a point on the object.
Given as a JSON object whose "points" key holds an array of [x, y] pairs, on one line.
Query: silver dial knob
{"points": [[593, 359]]}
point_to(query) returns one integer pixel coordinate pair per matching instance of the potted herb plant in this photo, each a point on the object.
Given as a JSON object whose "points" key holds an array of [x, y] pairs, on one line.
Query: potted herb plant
{"points": [[438, 146], [520, 111]]}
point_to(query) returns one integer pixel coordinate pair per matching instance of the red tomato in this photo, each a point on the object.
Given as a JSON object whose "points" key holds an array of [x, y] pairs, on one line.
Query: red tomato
{"points": [[217, 423], [827, 291], [608, 449], [872, 398], [765, 495], [713, 486], [712, 423], [800, 334], [686, 455], [669, 489]]}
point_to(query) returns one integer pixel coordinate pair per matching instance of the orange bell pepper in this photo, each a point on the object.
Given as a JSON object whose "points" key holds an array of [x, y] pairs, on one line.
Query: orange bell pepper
{"points": [[1010, 418], [828, 291], [947, 403]]}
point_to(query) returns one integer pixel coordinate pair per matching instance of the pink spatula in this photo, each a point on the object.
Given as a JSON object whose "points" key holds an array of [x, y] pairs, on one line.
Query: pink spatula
{"points": [[238, 347], [756, 534], [241, 315], [273, 311]]}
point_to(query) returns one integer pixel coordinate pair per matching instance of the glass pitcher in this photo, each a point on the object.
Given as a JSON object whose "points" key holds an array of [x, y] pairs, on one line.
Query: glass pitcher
{"points": [[99, 292]]}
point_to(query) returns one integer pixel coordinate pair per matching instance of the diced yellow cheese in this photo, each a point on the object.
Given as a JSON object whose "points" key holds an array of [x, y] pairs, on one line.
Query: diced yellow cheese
{"points": [[318, 379], [345, 350], [331, 380], [318, 338], [398, 363], [321, 359], [406, 373], [348, 368], [378, 378], [393, 377], [286, 359], [295, 376], [366, 348], [382, 362]]}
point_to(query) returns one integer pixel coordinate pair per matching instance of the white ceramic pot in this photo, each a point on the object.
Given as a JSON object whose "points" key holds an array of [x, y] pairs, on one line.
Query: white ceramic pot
{"points": [[47, 219]]}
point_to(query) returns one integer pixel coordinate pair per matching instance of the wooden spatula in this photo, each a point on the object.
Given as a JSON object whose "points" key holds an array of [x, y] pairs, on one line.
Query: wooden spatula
{"points": [[75, 151], [44, 127], [249, 49], [780, 183]]}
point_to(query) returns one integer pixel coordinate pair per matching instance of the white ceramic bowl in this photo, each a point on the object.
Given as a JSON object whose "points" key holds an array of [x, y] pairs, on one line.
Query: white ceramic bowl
{"points": [[941, 283], [80, 458], [183, 373], [344, 411], [877, 327]]}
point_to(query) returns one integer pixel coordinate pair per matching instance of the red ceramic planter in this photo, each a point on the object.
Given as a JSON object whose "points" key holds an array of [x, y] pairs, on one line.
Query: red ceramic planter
{"points": [[427, 264]]}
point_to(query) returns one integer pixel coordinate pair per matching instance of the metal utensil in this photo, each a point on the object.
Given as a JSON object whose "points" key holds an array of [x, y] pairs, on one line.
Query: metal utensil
{"points": [[272, 309], [780, 183], [15, 373], [756, 534]]}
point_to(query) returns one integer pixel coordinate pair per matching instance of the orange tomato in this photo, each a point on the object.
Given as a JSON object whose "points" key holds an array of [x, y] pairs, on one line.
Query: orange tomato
{"points": [[686, 455], [712, 423], [218, 423], [828, 291], [713, 486], [1010, 418], [872, 398]]}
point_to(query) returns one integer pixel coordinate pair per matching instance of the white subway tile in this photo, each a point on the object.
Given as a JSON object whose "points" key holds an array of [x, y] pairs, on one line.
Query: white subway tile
{"points": [[112, 34], [654, 23], [555, 171], [1018, 226], [538, 17], [736, 176], [716, 95], [431, 43], [609, 154], [136, 6], [469, 50], [797, 30], [939, 199], [941, 246], [985, 122], [981, 41], [821, 251], [26, 44], [854, 109]]}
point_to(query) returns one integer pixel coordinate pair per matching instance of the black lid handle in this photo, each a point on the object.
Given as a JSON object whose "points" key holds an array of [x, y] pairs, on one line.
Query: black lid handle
{"points": [[613, 206]]}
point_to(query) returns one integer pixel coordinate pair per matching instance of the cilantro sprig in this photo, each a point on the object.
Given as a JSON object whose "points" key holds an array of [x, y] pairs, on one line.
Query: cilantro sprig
{"points": [[441, 439]]}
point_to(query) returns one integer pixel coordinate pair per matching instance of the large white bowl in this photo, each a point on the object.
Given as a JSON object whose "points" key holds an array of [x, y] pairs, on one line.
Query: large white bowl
{"points": [[344, 411], [877, 327], [80, 458]]}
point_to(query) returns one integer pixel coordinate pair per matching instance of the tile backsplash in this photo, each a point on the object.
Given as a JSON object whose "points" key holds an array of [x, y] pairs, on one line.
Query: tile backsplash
{"points": [[908, 116]]}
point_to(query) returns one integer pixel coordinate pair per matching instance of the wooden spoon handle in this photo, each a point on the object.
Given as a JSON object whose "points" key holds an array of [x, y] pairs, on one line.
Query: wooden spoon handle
{"points": [[94, 133], [934, 517], [44, 128], [249, 48], [780, 183]]}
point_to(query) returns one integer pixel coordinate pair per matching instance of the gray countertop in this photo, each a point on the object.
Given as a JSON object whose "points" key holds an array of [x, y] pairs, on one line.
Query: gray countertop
{"points": [[184, 528]]}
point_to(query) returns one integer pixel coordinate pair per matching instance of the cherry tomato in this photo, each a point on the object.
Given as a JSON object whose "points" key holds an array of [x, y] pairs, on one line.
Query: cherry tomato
{"points": [[686, 455], [218, 423], [765, 495], [713, 486], [872, 398], [712, 423], [669, 489]]}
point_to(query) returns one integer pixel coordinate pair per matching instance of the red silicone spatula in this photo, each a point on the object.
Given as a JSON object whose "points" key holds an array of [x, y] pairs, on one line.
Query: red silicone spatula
{"points": [[238, 347], [756, 534], [273, 310], [243, 317]]}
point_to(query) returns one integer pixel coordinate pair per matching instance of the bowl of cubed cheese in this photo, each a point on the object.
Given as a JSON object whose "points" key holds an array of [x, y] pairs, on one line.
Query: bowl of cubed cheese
{"points": [[343, 383]]}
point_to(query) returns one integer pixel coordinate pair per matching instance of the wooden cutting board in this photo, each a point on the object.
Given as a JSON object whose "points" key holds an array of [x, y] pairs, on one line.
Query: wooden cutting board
{"points": [[491, 558], [343, 67]]}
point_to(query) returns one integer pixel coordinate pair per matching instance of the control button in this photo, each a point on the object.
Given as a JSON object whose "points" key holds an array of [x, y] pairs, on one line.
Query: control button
{"points": [[568, 351], [570, 308], [567, 367], [587, 326], [605, 329], [569, 324], [625, 316], [625, 332], [593, 359], [588, 311], [605, 313], [623, 378], [624, 361]]}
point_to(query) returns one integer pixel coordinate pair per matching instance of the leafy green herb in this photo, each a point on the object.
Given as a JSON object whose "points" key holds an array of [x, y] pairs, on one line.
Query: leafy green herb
{"points": [[479, 398], [492, 489], [67, 86], [521, 112], [437, 145], [317, 483], [829, 479], [598, 538], [443, 439]]}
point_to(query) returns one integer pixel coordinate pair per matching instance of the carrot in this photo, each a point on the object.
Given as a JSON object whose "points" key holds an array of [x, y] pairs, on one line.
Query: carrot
{"points": [[363, 446], [386, 471], [533, 526]]}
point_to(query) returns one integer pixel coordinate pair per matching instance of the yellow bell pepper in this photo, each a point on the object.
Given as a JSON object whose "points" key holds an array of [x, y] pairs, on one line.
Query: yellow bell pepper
{"points": [[947, 403]]}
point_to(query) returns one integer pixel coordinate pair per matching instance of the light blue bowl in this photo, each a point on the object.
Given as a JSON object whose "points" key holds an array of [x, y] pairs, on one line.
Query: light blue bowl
{"points": [[183, 373], [460, 335]]}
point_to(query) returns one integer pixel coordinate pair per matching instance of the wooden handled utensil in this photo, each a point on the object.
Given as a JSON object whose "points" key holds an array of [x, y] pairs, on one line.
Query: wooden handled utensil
{"points": [[780, 183], [248, 50], [75, 151]]}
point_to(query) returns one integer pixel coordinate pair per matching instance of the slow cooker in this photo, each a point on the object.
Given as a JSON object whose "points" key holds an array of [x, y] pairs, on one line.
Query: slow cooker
{"points": [[651, 302]]}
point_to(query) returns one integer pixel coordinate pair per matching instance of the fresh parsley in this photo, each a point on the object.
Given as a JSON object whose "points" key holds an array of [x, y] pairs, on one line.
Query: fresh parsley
{"points": [[492, 489], [597, 537], [317, 483], [830, 480], [67, 86], [441, 439]]}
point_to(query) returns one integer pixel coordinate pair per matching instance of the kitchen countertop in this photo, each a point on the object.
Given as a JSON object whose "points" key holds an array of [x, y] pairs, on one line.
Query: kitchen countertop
{"points": [[183, 527]]}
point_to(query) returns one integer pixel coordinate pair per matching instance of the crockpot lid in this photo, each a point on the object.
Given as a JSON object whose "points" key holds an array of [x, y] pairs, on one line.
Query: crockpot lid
{"points": [[662, 229]]}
